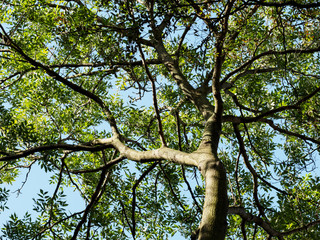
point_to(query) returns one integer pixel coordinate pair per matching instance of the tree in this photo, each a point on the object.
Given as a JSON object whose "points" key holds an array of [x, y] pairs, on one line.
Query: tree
{"points": [[197, 117]]}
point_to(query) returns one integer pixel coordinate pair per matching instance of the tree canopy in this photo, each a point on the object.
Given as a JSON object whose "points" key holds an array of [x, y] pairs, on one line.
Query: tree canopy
{"points": [[190, 117]]}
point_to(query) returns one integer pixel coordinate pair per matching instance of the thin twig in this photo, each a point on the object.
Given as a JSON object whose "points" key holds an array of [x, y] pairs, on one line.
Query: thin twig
{"points": [[54, 224], [171, 188], [145, 173], [249, 166], [25, 180], [190, 189], [93, 200], [154, 95]]}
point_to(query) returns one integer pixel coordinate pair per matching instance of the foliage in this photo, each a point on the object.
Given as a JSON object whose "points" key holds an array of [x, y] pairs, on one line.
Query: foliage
{"points": [[116, 99]]}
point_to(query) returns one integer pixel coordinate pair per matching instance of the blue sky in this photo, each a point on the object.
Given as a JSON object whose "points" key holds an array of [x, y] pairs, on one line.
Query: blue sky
{"points": [[36, 180]]}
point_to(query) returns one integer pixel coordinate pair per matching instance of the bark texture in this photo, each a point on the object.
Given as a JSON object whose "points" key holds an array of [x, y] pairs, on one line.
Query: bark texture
{"points": [[213, 224]]}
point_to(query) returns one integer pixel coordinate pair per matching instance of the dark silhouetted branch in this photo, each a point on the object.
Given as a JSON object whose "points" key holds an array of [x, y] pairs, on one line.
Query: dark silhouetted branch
{"points": [[26, 153]]}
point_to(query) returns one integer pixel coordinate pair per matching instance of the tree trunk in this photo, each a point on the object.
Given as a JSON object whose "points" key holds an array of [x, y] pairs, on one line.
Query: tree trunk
{"points": [[214, 224]]}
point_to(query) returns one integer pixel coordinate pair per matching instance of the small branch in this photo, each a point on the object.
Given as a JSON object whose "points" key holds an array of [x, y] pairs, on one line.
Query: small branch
{"points": [[107, 165], [251, 218], [305, 227], [238, 120], [190, 189], [270, 185], [102, 64], [183, 36], [182, 167], [309, 96], [252, 71], [250, 142], [88, 229], [25, 179], [287, 132], [167, 18], [126, 216], [284, 4], [91, 73], [54, 224], [103, 178], [26, 153], [63, 80], [249, 166], [21, 74], [154, 94], [295, 105], [243, 229], [219, 60], [237, 178], [56, 190], [145, 173], [269, 53], [269, 113], [74, 183], [171, 188], [178, 130], [238, 104], [18, 166], [266, 226]]}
